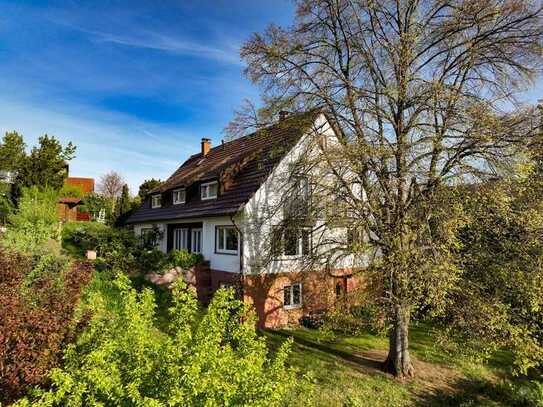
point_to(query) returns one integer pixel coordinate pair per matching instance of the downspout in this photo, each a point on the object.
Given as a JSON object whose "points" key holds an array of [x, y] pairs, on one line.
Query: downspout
{"points": [[242, 276]]}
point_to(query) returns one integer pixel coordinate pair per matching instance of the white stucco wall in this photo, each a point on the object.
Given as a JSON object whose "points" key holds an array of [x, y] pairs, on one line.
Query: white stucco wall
{"points": [[218, 261], [263, 211]]}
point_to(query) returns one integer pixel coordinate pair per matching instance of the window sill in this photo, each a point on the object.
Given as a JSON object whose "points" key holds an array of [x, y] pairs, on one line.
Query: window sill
{"points": [[292, 307], [289, 258], [208, 199], [227, 253], [179, 203]]}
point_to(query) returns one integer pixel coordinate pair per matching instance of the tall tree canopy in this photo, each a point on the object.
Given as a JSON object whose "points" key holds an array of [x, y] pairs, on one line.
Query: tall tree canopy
{"points": [[147, 186], [421, 94], [12, 151], [46, 165]]}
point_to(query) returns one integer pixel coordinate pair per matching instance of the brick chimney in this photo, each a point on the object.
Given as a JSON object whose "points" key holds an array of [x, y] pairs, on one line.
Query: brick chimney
{"points": [[206, 146]]}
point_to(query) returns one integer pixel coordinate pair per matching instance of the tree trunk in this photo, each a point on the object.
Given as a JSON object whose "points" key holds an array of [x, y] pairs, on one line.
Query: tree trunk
{"points": [[398, 361]]}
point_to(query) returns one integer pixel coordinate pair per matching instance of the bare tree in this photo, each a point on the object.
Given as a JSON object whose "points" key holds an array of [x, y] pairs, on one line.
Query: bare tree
{"points": [[421, 94], [111, 184]]}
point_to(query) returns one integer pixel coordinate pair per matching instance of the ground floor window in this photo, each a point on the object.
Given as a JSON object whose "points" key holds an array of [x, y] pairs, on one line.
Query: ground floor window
{"points": [[291, 241], [196, 240], [181, 239], [292, 295], [226, 240], [149, 237]]}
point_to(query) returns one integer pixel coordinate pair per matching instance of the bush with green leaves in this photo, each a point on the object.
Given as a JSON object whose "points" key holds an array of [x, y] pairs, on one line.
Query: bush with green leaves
{"points": [[213, 357], [35, 221], [84, 235], [152, 260], [184, 259]]}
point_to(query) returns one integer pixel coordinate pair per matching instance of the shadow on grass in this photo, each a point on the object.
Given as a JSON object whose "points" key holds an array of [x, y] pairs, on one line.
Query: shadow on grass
{"points": [[472, 392], [364, 363]]}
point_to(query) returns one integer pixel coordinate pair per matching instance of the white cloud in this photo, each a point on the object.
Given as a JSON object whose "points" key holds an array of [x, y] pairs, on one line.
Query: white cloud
{"points": [[104, 141], [157, 41]]}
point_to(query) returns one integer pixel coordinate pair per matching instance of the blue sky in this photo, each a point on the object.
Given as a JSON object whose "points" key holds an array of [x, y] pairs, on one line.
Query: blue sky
{"points": [[135, 85]]}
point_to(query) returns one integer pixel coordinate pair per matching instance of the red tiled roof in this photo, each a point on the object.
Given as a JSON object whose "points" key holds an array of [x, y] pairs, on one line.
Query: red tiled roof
{"points": [[240, 165], [69, 200]]}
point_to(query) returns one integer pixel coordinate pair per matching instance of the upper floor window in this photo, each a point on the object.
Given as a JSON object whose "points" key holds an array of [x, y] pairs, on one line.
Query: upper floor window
{"points": [[226, 240], [179, 196], [355, 235], [209, 190], [291, 241], [297, 203], [156, 201]]}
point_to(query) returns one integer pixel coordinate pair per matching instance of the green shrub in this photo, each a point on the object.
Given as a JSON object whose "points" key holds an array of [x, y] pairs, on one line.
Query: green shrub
{"points": [[84, 235], [152, 260], [117, 248], [46, 267], [35, 222], [184, 259], [123, 358]]}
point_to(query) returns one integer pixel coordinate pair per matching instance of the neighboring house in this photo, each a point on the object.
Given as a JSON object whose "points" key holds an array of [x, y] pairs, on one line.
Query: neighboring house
{"points": [[69, 208], [222, 203]]}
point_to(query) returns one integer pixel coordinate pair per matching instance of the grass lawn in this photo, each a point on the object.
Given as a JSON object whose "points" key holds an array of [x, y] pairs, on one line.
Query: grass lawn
{"points": [[347, 372]]}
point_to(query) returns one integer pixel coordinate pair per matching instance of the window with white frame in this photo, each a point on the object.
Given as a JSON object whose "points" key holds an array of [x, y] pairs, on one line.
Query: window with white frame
{"points": [[196, 241], [156, 201], [209, 190], [297, 201], [148, 236], [291, 241], [179, 196], [227, 241], [292, 295], [181, 239], [355, 236]]}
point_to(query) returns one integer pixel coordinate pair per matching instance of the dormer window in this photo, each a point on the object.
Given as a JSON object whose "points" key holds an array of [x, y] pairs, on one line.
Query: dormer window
{"points": [[179, 196], [156, 201], [209, 190]]}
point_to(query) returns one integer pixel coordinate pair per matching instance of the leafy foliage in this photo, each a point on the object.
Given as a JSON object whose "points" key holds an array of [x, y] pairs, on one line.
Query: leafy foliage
{"points": [[184, 259], [96, 204], [35, 317], [122, 358], [152, 260], [498, 301], [147, 186], [71, 191], [35, 222], [12, 151], [46, 164]]}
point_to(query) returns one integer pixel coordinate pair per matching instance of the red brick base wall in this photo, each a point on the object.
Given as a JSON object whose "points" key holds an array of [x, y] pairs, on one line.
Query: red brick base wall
{"points": [[265, 292], [319, 292]]}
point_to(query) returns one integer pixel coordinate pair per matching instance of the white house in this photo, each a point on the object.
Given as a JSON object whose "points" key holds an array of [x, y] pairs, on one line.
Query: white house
{"points": [[227, 203]]}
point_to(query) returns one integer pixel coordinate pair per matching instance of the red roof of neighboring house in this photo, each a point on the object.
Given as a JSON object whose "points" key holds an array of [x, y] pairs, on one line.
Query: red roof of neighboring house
{"points": [[85, 184], [69, 200]]}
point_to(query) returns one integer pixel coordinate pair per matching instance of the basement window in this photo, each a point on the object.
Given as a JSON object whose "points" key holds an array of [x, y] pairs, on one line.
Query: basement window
{"points": [[209, 190], [156, 201], [292, 296]]}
